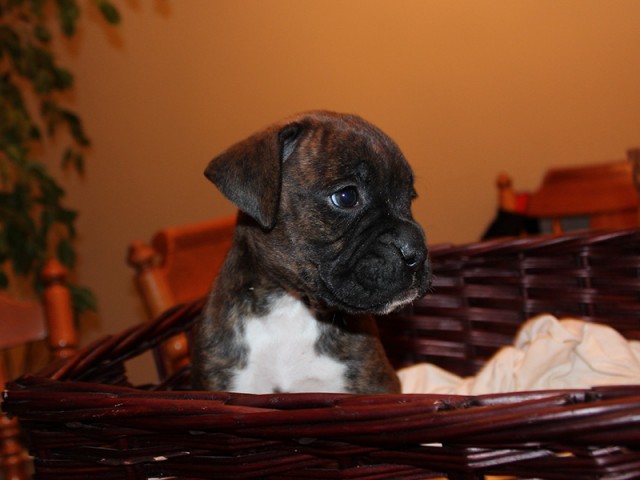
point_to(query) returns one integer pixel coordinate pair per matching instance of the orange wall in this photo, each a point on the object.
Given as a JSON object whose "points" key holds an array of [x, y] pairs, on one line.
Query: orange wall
{"points": [[467, 88]]}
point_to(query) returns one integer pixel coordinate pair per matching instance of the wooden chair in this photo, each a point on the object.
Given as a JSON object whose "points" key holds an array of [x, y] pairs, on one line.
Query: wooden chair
{"points": [[22, 323], [179, 266], [605, 194]]}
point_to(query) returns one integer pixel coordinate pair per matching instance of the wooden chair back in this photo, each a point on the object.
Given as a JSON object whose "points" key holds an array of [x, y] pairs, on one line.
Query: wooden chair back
{"points": [[22, 323], [605, 194], [179, 266]]}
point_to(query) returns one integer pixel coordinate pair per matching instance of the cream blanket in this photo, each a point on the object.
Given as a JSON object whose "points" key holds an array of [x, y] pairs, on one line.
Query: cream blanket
{"points": [[547, 354]]}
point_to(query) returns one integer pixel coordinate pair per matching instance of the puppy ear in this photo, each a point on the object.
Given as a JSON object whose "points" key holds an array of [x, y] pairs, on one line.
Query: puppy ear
{"points": [[249, 173]]}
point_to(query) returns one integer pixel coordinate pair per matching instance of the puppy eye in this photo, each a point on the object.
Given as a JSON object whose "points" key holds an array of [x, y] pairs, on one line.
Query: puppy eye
{"points": [[345, 198]]}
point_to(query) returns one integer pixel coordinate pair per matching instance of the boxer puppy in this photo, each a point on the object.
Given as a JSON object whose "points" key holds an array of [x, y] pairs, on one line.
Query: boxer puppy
{"points": [[325, 238]]}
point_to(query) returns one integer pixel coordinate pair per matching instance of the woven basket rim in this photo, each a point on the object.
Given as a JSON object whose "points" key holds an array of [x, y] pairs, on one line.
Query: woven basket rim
{"points": [[86, 420], [506, 245]]}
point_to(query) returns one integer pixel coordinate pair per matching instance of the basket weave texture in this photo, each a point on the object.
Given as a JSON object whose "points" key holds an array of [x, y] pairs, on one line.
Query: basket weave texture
{"points": [[85, 420]]}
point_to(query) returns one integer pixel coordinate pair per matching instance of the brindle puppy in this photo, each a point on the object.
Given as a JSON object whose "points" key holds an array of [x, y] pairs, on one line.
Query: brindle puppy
{"points": [[325, 238]]}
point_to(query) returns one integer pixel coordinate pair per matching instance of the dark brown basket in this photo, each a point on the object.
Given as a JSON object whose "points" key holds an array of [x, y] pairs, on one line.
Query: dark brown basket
{"points": [[85, 420]]}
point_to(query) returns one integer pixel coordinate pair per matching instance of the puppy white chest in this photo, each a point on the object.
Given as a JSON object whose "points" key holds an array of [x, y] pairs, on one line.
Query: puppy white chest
{"points": [[282, 355]]}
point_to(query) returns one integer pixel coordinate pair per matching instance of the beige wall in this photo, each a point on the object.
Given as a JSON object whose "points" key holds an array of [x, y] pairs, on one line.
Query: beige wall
{"points": [[467, 88]]}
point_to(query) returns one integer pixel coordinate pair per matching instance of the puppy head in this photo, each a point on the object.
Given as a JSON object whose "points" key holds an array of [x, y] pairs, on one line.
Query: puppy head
{"points": [[330, 197]]}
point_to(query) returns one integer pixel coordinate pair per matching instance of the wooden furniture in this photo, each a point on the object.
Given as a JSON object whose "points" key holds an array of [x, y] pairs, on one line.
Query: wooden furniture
{"points": [[24, 322], [179, 266], [633, 154], [604, 193]]}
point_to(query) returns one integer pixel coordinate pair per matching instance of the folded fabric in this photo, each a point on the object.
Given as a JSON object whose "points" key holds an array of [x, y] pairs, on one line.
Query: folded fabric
{"points": [[547, 354]]}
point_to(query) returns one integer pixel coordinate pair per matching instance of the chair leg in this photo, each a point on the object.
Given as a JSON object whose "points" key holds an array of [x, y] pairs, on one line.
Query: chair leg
{"points": [[14, 460]]}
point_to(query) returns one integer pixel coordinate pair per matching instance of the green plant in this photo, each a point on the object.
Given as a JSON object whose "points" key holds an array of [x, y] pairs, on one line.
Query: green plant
{"points": [[35, 223]]}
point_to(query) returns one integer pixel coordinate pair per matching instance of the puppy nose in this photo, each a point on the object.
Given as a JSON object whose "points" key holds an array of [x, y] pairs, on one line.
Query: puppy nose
{"points": [[413, 257], [409, 241]]}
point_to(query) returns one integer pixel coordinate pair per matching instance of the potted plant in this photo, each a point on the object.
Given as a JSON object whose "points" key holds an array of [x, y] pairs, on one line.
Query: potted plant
{"points": [[35, 222]]}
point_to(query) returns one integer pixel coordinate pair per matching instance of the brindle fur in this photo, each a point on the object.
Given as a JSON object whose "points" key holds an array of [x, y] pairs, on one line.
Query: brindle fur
{"points": [[343, 264]]}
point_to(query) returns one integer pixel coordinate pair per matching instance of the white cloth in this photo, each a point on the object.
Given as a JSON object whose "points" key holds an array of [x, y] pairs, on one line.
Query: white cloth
{"points": [[547, 354]]}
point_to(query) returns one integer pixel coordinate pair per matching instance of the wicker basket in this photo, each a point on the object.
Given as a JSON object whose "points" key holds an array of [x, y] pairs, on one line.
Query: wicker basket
{"points": [[85, 420]]}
